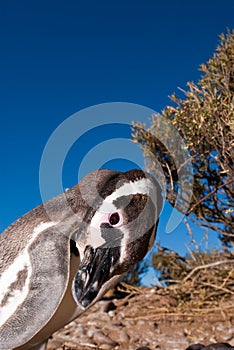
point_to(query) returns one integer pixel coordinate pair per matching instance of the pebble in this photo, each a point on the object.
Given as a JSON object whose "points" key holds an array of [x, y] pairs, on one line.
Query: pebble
{"points": [[212, 339], [112, 313], [80, 330], [85, 340], [57, 344], [120, 336], [91, 331], [129, 323], [226, 337], [121, 315], [221, 328], [123, 336], [100, 338], [106, 347], [141, 322], [107, 329]]}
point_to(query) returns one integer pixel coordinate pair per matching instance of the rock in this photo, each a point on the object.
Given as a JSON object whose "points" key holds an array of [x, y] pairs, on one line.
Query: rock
{"points": [[57, 344], [80, 330], [226, 337], [100, 338], [121, 315], [123, 336], [105, 347], [91, 331], [112, 314], [118, 334], [86, 341]]}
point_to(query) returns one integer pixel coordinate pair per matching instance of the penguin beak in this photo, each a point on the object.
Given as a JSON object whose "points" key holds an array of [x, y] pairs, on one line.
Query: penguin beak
{"points": [[93, 272]]}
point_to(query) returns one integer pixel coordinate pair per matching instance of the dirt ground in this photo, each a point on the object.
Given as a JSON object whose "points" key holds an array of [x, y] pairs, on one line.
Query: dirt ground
{"points": [[146, 319]]}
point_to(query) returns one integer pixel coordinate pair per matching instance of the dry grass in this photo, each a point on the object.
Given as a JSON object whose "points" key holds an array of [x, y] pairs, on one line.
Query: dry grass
{"points": [[199, 285]]}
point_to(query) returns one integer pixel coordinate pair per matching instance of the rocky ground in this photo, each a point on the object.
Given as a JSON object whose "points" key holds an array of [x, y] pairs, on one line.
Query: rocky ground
{"points": [[146, 319]]}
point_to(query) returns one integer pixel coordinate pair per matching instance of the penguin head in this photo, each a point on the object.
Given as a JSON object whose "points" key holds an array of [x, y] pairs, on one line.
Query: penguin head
{"points": [[117, 230]]}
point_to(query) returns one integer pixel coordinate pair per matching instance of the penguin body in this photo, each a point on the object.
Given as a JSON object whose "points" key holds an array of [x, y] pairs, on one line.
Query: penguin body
{"points": [[61, 257]]}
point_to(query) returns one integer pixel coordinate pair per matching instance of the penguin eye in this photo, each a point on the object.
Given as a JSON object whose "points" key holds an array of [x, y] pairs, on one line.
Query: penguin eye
{"points": [[115, 219]]}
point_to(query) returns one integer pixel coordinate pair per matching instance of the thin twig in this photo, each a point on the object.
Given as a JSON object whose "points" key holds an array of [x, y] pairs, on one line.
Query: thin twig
{"points": [[217, 287], [197, 268], [208, 195], [190, 314], [227, 278]]}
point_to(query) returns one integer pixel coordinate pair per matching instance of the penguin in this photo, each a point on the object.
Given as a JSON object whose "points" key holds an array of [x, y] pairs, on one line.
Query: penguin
{"points": [[61, 257]]}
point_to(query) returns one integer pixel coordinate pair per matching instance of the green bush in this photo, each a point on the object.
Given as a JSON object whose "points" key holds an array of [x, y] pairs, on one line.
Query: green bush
{"points": [[205, 120]]}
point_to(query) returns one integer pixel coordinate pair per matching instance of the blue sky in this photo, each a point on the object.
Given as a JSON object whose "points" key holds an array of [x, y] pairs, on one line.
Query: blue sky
{"points": [[58, 57]]}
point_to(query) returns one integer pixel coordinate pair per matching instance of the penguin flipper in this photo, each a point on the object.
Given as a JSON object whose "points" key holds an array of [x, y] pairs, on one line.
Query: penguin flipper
{"points": [[49, 256]]}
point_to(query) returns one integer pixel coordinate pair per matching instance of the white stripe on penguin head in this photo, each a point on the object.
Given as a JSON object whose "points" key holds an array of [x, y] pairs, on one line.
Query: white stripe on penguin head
{"points": [[140, 186]]}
